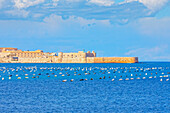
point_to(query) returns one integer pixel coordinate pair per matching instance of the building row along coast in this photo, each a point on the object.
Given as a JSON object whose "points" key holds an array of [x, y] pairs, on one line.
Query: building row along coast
{"points": [[14, 55]]}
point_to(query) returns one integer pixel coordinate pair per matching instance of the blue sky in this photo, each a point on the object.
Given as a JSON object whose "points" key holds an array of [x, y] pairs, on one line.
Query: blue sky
{"points": [[110, 27]]}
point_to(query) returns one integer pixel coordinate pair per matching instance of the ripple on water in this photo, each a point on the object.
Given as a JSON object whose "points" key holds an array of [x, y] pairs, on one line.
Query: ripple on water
{"points": [[98, 95]]}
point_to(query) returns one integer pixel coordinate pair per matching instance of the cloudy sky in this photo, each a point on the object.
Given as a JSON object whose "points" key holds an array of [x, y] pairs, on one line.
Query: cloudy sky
{"points": [[110, 27]]}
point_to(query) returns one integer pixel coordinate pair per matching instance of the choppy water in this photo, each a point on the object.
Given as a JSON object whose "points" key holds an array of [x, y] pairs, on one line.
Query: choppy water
{"points": [[110, 90]]}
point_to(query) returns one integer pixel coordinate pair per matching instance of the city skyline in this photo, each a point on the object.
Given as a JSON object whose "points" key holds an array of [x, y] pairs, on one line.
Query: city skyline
{"points": [[122, 28]]}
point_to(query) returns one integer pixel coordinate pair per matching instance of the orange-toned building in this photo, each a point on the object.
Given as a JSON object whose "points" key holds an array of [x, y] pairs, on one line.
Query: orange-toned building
{"points": [[2, 49]]}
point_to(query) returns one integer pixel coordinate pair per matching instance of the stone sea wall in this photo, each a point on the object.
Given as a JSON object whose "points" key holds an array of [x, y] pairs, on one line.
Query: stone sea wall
{"points": [[13, 55], [72, 60]]}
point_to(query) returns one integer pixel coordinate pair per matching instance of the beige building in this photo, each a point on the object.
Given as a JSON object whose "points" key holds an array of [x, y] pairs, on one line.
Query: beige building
{"points": [[19, 56], [14, 55], [23, 54], [79, 57]]}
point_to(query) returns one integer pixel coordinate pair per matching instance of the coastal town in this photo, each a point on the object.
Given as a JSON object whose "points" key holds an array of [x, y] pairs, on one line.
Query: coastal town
{"points": [[15, 55]]}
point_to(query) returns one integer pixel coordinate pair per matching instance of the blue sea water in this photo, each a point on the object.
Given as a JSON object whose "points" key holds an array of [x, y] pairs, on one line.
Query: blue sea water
{"points": [[110, 90]]}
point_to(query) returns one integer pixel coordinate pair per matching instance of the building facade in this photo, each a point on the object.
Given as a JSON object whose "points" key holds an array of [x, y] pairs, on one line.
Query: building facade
{"points": [[13, 55]]}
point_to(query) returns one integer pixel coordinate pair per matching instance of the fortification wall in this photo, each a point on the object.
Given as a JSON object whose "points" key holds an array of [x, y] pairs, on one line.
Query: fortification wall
{"points": [[2, 55], [18, 56], [73, 60], [90, 59], [80, 57], [100, 60], [33, 60], [115, 60], [5, 60]]}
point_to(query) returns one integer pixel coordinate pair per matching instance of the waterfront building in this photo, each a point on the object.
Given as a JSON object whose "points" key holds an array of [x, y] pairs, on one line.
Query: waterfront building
{"points": [[14, 55]]}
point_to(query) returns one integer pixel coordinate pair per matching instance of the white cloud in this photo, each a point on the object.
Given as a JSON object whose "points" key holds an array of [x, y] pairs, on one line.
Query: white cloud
{"points": [[18, 13], [153, 27], [154, 5], [74, 0], [117, 14], [154, 53], [58, 21], [72, 26], [102, 2], [27, 3], [144, 51], [1, 3], [55, 2], [37, 15]]}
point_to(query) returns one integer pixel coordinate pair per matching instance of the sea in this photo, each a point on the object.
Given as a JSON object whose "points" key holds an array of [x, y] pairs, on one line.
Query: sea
{"points": [[85, 88]]}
